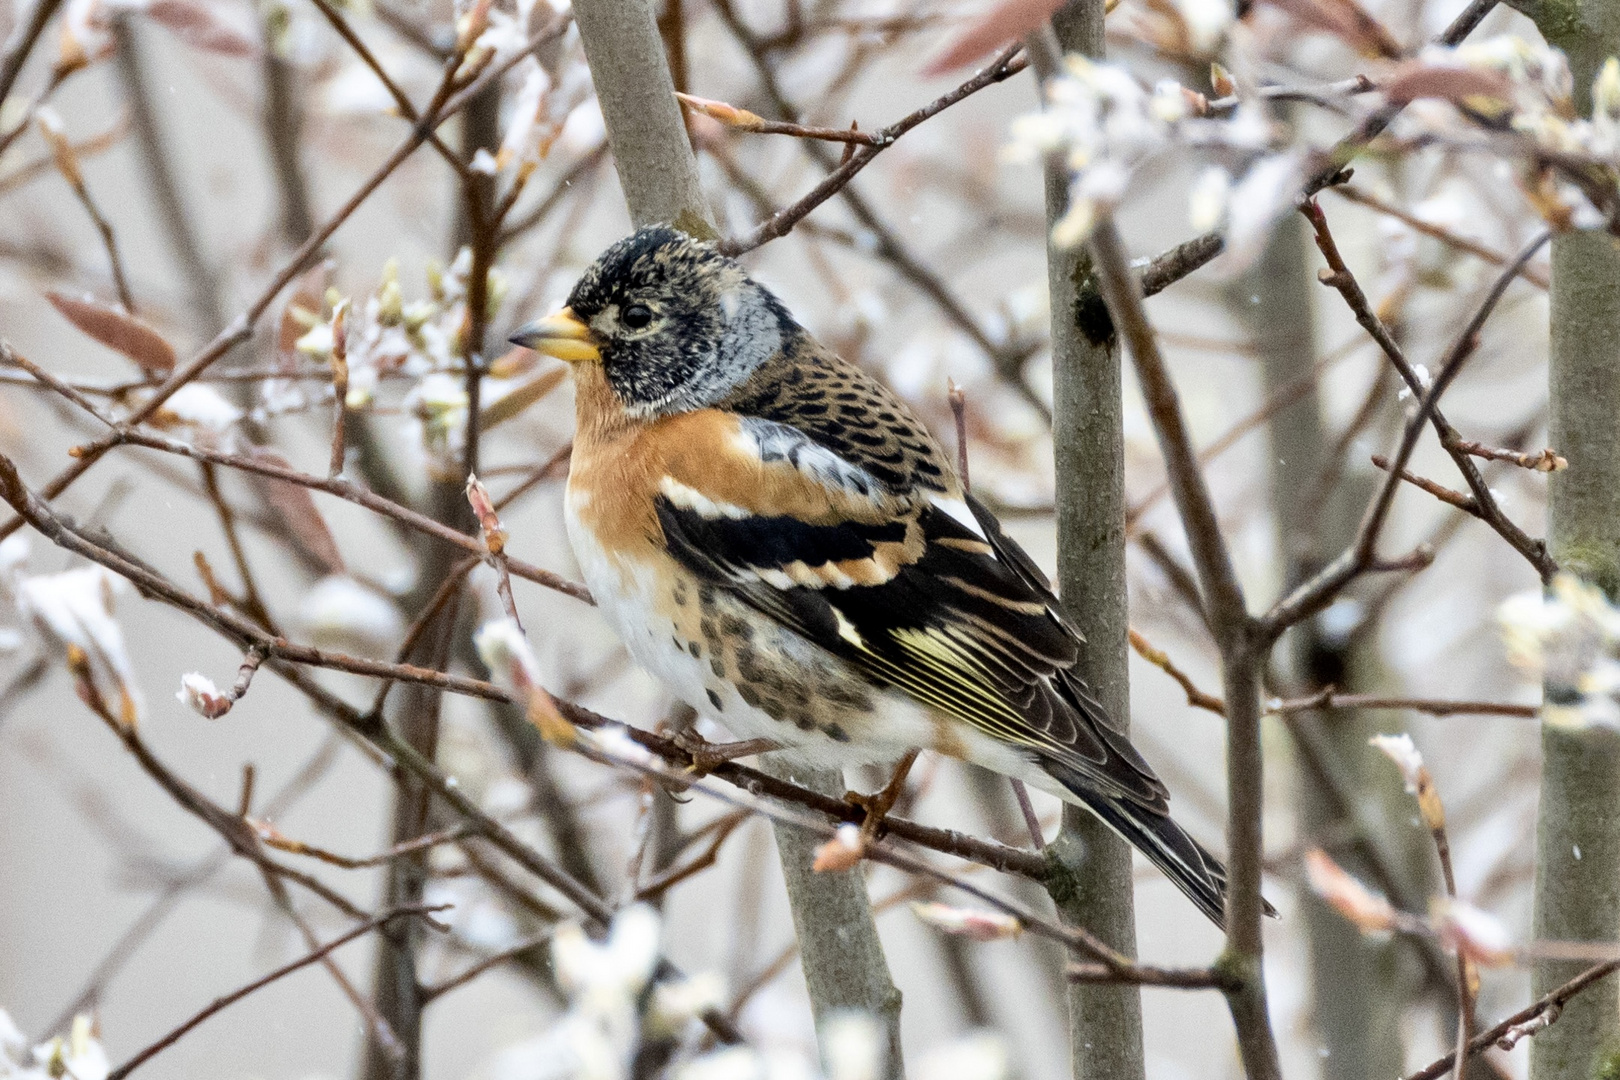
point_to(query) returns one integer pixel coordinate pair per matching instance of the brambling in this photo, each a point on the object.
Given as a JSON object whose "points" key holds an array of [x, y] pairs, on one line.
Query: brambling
{"points": [[775, 536]]}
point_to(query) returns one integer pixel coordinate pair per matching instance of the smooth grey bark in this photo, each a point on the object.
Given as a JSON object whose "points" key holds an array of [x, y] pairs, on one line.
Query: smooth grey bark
{"points": [[1355, 979], [839, 950], [646, 131], [1092, 884], [1577, 891]]}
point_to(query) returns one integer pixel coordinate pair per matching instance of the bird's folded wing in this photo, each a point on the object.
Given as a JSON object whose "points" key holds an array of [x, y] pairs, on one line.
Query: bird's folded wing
{"points": [[910, 587]]}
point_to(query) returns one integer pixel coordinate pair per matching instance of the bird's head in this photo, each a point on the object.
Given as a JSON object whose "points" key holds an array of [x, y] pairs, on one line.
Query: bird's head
{"points": [[674, 324]]}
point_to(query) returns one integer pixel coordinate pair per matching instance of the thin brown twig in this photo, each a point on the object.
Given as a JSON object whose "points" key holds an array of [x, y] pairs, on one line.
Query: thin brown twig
{"points": [[59, 75], [1553, 1001], [226, 1000], [779, 224], [203, 286], [1330, 699], [1161, 660], [402, 100], [1285, 397], [109, 241], [446, 101], [11, 357], [273, 837], [11, 64], [413, 634], [1354, 194], [1316, 593], [494, 960], [547, 470], [1546, 460], [579, 170], [673, 876], [251, 601], [742, 120], [1484, 504], [1446, 495]]}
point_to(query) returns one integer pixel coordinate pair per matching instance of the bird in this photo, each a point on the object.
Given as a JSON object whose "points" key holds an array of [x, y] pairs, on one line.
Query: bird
{"points": [[775, 535]]}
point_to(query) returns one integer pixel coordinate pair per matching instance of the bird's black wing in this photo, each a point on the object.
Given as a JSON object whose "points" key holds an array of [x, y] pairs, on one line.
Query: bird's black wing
{"points": [[910, 589]]}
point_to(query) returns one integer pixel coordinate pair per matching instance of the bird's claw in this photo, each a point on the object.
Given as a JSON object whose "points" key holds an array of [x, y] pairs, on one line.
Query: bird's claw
{"points": [[708, 756], [878, 804]]}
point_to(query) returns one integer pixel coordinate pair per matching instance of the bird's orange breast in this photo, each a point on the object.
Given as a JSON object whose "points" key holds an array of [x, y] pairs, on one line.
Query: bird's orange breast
{"points": [[619, 463]]}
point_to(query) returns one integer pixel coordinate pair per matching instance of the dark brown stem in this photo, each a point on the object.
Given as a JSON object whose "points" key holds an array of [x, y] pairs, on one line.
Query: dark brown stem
{"points": [[1553, 1001], [1240, 654], [11, 64], [224, 1001], [1315, 594], [1003, 67], [447, 100]]}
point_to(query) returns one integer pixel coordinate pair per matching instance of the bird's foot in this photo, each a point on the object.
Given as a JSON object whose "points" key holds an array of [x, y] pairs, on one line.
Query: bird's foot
{"points": [[708, 756], [878, 804]]}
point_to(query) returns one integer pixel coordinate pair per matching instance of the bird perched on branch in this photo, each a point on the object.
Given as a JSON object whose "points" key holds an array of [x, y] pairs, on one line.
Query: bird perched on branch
{"points": [[777, 537]]}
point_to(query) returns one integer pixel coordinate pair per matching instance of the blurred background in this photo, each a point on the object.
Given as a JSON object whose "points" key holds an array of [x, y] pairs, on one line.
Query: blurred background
{"points": [[214, 135]]}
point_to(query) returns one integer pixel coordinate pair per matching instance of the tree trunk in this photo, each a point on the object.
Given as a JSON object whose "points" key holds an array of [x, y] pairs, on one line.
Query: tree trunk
{"points": [[839, 950], [646, 133], [1577, 887], [1095, 888]]}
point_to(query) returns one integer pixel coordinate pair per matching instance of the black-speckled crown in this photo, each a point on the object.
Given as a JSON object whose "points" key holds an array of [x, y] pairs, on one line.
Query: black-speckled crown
{"points": [[711, 324]]}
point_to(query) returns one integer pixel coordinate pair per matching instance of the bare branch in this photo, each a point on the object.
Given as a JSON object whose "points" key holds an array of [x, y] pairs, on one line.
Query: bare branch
{"points": [[226, 1000], [1003, 67], [1317, 593]]}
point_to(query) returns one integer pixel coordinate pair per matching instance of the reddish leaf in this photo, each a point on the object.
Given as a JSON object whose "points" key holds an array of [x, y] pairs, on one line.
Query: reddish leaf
{"points": [[198, 26], [1007, 20], [118, 331], [1447, 83], [1346, 20], [294, 505]]}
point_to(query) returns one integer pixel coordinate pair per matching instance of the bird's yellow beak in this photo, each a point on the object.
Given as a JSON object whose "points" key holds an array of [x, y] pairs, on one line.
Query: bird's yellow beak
{"points": [[562, 335]]}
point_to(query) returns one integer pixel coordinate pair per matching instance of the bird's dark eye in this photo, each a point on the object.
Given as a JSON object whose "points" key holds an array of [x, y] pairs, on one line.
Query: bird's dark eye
{"points": [[637, 316]]}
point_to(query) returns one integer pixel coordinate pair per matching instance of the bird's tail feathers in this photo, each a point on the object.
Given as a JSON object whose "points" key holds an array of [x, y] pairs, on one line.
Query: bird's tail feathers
{"points": [[1167, 845]]}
